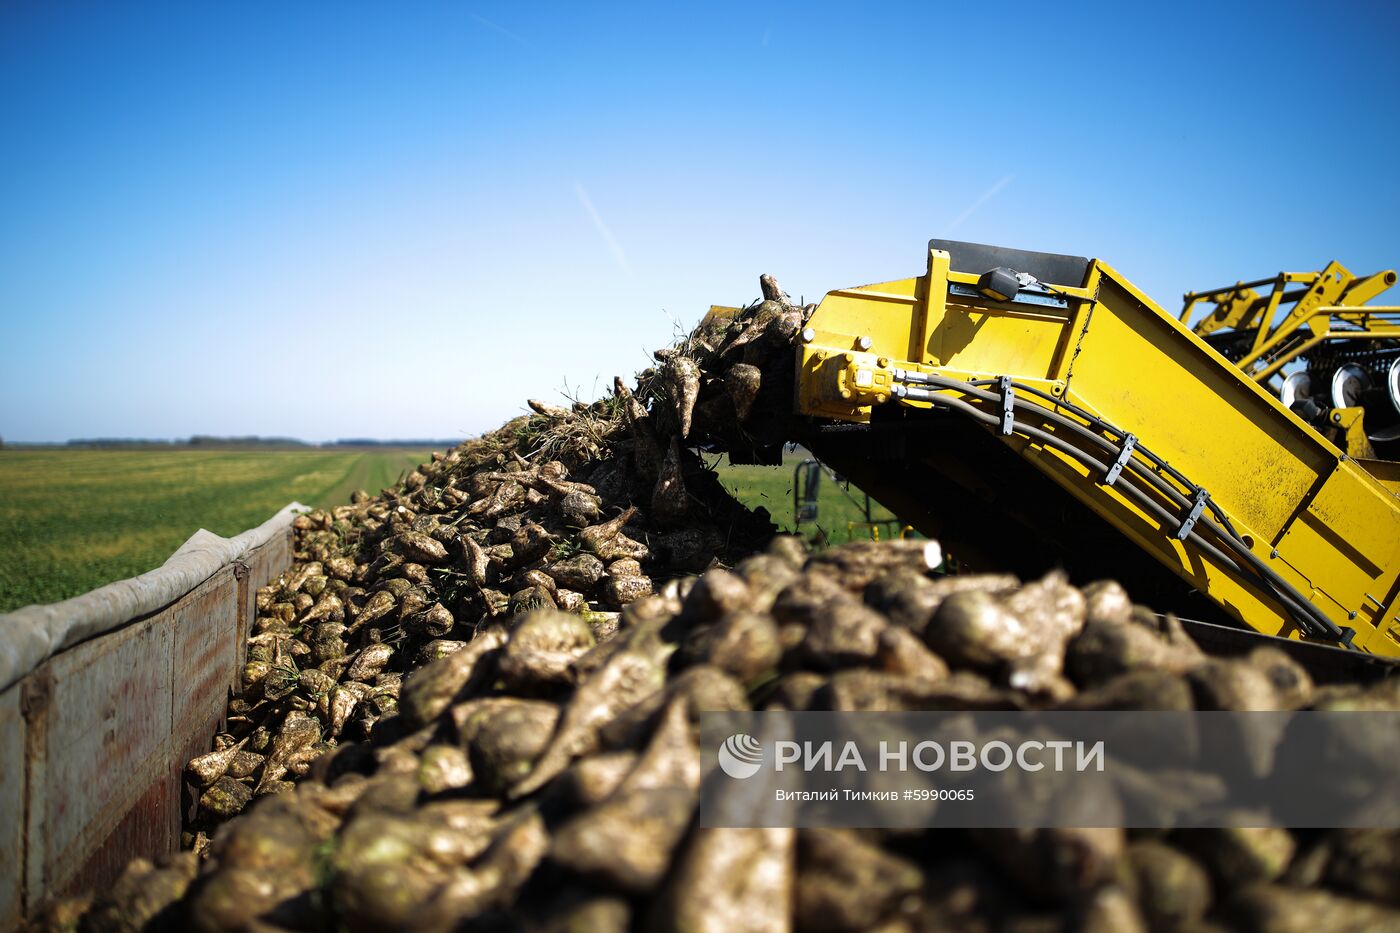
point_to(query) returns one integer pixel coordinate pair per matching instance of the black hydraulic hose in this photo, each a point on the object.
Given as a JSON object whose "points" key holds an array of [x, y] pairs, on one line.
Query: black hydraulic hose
{"points": [[1150, 475], [1304, 613], [1141, 448], [1108, 446], [1290, 600], [1267, 577], [1099, 424]]}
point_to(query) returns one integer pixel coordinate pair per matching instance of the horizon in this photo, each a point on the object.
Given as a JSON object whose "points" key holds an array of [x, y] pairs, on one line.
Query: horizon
{"points": [[348, 221], [197, 440]]}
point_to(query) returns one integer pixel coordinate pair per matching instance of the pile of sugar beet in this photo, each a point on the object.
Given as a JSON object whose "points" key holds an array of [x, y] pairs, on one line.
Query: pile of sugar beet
{"points": [[472, 704]]}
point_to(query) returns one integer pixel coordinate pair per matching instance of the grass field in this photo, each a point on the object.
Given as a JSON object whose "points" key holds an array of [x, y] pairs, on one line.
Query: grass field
{"points": [[771, 487], [71, 519]]}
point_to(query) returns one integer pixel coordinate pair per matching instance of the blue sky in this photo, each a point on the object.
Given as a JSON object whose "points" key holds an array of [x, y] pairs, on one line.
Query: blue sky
{"points": [[328, 220]]}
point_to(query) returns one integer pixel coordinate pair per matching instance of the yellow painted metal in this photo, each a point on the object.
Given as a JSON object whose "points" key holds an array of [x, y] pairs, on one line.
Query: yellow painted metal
{"points": [[1325, 324], [1236, 309], [872, 529], [1331, 307], [1315, 516], [1363, 290], [1349, 432], [1325, 289], [718, 313]]}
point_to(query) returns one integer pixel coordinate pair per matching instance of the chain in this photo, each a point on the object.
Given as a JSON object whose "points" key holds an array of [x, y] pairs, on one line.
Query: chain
{"points": [[1079, 344]]}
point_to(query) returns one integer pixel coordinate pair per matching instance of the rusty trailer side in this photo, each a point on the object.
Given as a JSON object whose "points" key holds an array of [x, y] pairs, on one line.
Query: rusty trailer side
{"points": [[94, 740]]}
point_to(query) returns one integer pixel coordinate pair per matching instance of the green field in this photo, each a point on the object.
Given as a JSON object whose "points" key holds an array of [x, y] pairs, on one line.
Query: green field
{"points": [[772, 487], [73, 519]]}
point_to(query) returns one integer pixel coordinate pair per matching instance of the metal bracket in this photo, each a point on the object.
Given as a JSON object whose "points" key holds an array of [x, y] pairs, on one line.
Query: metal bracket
{"points": [[1124, 456], [1025, 297], [1008, 402], [1197, 507]]}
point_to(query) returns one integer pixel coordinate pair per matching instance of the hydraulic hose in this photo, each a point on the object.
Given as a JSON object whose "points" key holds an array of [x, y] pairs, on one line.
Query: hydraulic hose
{"points": [[1240, 560]]}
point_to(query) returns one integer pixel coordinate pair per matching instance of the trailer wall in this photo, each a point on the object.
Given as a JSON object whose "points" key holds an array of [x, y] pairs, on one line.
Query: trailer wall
{"points": [[94, 738]]}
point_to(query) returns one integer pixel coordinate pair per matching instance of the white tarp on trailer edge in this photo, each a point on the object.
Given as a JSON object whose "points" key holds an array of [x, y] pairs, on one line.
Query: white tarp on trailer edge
{"points": [[30, 635]]}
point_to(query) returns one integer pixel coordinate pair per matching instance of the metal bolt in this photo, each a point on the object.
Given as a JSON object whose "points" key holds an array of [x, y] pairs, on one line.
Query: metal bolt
{"points": [[1337, 417], [808, 335], [882, 362], [1274, 553], [1351, 615], [845, 393], [864, 342]]}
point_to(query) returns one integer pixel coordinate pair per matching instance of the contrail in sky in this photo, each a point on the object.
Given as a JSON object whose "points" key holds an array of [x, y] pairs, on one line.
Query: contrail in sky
{"points": [[603, 230], [499, 28], [982, 198]]}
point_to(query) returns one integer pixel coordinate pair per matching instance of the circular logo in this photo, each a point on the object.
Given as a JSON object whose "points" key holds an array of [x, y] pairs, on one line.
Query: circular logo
{"points": [[740, 756]]}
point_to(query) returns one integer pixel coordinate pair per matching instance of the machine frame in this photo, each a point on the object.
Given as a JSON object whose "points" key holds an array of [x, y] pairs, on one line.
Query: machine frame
{"points": [[1084, 379]]}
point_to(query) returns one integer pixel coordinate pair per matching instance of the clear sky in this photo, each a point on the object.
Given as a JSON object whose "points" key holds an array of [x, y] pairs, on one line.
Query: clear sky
{"points": [[402, 220]]}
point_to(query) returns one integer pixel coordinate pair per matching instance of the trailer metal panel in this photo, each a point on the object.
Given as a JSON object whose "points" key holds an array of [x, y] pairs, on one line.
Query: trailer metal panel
{"points": [[106, 744], [11, 806], [93, 741]]}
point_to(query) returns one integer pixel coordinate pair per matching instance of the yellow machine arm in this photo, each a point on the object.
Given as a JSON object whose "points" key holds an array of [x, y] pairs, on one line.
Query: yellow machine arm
{"points": [[1331, 357], [1033, 409]]}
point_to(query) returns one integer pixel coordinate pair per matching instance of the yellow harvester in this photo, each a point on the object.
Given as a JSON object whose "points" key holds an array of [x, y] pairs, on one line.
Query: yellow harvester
{"points": [[1033, 410]]}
